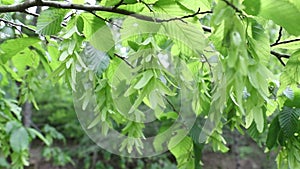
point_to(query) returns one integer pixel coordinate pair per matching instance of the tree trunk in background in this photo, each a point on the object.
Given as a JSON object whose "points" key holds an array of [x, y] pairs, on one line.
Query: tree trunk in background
{"points": [[27, 113]]}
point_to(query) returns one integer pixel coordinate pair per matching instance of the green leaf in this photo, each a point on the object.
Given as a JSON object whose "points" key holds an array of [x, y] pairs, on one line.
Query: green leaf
{"points": [[110, 2], [7, 2], [291, 74], [91, 24], [95, 121], [19, 139], [144, 80], [273, 133], [187, 36], [4, 163], [283, 13], [23, 60], [258, 118], [39, 135], [97, 32], [13, 46], [49, 21], [296, 3], [96, 60], [183, 153], [252, 7], [135, 28], [204, 5], [145, 91], [80, 24], [288, 119], [170, 8], [293, 96], [78, 1]]}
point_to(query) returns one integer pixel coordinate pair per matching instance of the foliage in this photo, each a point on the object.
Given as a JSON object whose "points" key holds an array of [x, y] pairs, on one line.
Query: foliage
{"points": [[243, 73]]}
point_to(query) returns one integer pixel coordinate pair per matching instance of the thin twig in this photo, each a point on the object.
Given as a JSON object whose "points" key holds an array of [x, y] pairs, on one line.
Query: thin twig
{"points": [[147, 5], [118, 4], [209, 65], [16, 24], [285, 42], [124, 59], [184, 17], [29, 13], [106, 20], [279, 35], [232, 6], [172, 106], [279, 56], [206, 28], [89, 8]]}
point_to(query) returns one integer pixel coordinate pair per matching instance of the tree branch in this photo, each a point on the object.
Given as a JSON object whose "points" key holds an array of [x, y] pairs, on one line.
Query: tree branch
{"points": [[187, 16], [285, 42], [279, 56], [32, 14], [279, 35], [232, 6], [16, 24], [106, 20], [89, 8], [124, 59]]}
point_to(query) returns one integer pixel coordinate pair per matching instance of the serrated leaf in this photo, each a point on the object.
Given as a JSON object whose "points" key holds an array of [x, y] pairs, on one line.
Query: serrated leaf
{"points": [[288, 119], [96, 60], [49, 21], [188, 37]]}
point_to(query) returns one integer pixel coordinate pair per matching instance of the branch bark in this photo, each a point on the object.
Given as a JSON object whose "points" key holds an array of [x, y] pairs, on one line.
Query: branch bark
{"points": [[89, 8]]}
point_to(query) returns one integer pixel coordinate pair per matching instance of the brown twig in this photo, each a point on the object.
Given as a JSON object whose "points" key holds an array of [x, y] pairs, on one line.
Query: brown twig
{"points": [[16, 25], [279, 56], [89, 8], [232, 6], [285, 42], [106, 20], [279, 35], [124, 59]]}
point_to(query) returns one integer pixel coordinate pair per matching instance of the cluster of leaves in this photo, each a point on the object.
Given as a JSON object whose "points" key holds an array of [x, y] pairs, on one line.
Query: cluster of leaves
{"points": [[234, 73], [15, 137]]}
